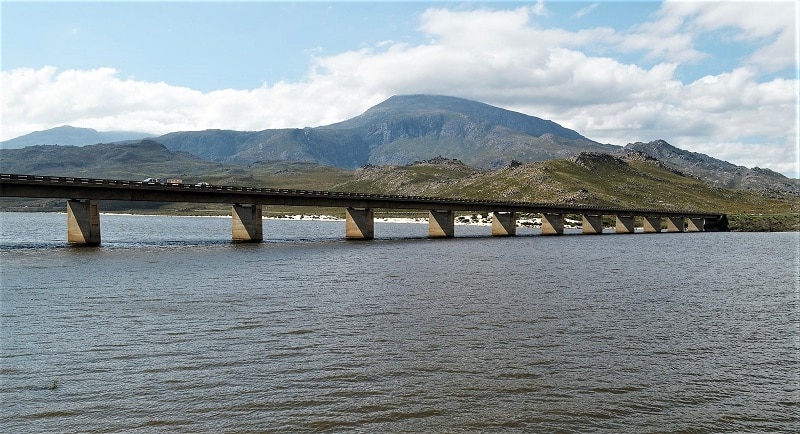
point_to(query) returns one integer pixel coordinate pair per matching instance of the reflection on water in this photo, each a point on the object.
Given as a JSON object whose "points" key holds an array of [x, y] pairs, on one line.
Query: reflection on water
{"points": [[170, 327]]}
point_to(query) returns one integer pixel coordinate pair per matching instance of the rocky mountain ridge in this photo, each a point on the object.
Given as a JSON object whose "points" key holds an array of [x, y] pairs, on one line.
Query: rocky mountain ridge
{"points": [[716, 172]]}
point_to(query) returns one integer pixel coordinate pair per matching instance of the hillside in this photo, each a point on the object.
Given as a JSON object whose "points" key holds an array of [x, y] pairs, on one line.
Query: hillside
{"points": [[334, 148], [588, 178], [71, 136], [134, 161]]}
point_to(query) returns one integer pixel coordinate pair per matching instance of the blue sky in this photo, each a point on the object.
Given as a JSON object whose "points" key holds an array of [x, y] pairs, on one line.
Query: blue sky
{"points": [[201, 45], [713, 77]]}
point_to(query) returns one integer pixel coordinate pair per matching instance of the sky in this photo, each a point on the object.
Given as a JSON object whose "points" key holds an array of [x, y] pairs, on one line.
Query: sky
{"points": [[719, 78]]}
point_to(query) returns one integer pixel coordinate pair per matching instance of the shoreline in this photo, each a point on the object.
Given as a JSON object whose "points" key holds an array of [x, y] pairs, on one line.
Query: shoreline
{"points": [[460, 220]]}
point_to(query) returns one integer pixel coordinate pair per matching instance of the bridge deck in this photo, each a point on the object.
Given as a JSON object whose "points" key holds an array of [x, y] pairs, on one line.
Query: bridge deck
{"points": [[12, 185]]}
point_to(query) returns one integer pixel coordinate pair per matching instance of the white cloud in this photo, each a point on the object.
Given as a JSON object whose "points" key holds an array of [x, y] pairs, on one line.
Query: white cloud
{"points": [[671, 36], [585, 11], [539, 9], [34, 100], [497, 57]]}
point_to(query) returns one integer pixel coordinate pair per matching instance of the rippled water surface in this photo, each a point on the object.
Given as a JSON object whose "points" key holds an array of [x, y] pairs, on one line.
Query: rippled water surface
{"points": [[169, 327]]}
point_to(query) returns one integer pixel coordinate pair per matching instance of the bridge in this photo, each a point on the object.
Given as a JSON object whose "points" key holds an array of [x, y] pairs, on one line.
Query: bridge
{"points": [[83, 215]]}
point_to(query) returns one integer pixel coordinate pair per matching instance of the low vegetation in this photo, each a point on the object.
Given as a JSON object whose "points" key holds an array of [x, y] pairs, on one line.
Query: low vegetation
{"points": [[764, 222]]}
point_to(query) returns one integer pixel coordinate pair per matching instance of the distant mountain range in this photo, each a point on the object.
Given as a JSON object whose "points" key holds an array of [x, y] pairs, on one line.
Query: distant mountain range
{"points": [[71, 136], [398, 131]]}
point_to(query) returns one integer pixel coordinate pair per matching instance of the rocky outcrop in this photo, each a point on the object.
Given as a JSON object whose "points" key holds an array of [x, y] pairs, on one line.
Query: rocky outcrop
{"points": [[716, 172]]}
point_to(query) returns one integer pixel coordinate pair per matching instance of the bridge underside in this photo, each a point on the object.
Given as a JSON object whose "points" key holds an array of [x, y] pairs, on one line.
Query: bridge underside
{"points": [[83, 223]]}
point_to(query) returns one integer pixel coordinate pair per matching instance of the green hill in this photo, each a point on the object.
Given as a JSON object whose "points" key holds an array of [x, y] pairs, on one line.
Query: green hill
{"points": [[588, 178]]}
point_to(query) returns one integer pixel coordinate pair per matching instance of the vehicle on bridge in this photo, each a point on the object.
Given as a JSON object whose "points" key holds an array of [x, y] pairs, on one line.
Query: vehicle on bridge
{"points": [[163, 181]]}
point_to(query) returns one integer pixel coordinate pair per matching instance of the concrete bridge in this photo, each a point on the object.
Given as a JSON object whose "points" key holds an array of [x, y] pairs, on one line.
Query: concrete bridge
{"points": [[83, 214]]}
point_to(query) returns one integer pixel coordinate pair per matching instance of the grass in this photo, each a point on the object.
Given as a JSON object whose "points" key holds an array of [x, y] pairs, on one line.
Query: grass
{"points": [[764, 222]]}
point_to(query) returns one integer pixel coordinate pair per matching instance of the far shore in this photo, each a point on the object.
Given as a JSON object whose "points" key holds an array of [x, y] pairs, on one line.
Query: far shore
{"points": [[472, 219]]}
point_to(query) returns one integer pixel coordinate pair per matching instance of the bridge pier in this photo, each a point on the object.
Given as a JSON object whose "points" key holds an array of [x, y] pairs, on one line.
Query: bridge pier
{"points": [[246, 224], [552, 224], [592, 224], [504, 224], [359, 224], [625, 224], [696, 224], [83, 222], [675, 224], [651, 224], [441, 224]]}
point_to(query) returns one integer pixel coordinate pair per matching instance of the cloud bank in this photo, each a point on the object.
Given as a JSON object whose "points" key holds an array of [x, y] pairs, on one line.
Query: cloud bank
{"points": [[746, 114]]}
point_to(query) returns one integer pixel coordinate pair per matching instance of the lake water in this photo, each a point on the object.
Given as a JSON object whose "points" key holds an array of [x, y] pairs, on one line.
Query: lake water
{"points": [[169, 327]]}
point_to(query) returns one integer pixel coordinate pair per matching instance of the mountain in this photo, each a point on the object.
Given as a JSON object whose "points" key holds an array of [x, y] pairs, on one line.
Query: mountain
{"points": [[399, 130], [407, 107], [716, 172], [71, 136]]}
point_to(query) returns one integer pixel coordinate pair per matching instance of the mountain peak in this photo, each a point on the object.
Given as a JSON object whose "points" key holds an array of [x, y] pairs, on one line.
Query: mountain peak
{"points": [[400, 107], [429, 102]]}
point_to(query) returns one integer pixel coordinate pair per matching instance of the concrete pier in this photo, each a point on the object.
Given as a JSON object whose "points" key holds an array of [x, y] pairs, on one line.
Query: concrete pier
{"points": [[651, 224], [359, 224], [246, 224], [441, 224], [504, 224], [83, 223], [675, 224], [552, 224], [695, 224], [592, 224], [625, 224]]}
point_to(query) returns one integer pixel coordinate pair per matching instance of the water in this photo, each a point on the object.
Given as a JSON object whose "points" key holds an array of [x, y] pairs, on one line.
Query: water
{"points": [[169, 327]]}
